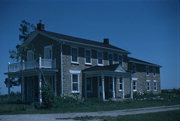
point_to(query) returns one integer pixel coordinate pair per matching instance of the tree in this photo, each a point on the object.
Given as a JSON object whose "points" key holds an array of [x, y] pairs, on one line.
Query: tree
{"points": [[25, 30]]}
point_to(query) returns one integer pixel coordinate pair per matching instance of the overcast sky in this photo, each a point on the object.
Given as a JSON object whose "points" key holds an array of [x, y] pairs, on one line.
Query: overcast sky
{"points": [[149, 29]]}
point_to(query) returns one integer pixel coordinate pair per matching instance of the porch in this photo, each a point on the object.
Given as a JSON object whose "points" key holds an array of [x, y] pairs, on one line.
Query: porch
{"points": [[26, 65], [107, 82], [31, 75]]}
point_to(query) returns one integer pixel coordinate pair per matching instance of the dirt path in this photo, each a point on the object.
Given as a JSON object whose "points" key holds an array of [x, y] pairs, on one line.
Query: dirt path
{"points": [[54, 117]]}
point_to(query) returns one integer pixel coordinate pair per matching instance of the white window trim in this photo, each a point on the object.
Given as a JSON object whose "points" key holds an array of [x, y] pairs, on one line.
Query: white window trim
{"points": [[134, 79], [75, 62], [120, 90], [48, 46], [148, 81], [99, 64], [112, 58], [90, 57], [77, 72], [155, 81]]}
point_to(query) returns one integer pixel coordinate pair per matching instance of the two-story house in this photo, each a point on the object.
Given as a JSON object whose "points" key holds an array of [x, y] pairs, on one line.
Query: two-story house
{"points": [[72, 65]]}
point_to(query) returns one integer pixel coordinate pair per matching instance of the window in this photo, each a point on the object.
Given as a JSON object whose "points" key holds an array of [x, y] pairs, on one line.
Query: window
{"points": [[30, 55], [88, 57], [74, 57], [134, 68], [148, 85], [75, 83], [134, 85], [147, 70], [120, 60], [100, 58], [110, 59], [120, 84], [154, 71], [48, 52], [155, 85], [89, 84]]}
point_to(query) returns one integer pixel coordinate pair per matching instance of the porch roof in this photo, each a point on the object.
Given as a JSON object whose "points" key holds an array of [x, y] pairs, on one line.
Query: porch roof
{"points": [[110, 70], [32, 72]]}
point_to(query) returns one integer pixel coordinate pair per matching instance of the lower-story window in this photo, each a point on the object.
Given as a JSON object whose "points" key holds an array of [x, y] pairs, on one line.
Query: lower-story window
{"points": [[120, 84], [155, 85], [75, 83], [148, 85], [134, 85]]}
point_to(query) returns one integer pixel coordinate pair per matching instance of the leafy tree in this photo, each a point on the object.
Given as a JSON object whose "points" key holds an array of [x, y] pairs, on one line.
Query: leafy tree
{"points": [[25, 30]]}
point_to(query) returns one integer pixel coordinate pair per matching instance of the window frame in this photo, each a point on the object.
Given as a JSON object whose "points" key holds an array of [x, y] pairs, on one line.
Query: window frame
{"points": [[75, 91], [148, 85], [27, 58], [88, 63], [121, 82], [74, 62], [111, 58], [100, 64], [120, 59], [48, 47], [134, 80], [155, 85]]}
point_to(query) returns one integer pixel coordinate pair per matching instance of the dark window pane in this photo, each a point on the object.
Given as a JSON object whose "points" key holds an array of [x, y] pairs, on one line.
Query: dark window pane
{"points": [[75, 86]]}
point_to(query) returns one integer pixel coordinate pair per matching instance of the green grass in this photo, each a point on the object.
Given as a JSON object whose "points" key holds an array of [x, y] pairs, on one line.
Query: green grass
{"points": [[160, 116], [91, 105]]}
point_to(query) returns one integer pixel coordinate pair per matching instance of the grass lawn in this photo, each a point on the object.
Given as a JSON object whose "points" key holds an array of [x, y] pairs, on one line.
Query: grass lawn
{"points": [[160, 116], [91, 105]]}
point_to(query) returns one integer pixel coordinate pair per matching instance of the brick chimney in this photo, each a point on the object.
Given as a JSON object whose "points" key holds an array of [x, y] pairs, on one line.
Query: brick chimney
{"points": [[40, 26], [106, 41]]}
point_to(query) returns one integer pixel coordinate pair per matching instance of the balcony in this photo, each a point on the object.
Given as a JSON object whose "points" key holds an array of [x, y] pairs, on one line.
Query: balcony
{"points": [[42, 63]]}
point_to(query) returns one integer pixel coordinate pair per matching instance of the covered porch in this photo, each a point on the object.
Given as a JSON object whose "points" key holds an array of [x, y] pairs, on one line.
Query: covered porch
{"points": [[31, 82], [107, 82]]}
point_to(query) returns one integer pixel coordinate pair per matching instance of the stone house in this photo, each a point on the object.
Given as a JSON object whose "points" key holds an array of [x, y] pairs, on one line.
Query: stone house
{"points": [[72, 65]]}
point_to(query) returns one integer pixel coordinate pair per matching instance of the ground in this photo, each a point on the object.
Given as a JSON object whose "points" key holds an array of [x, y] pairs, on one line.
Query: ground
{"points": [[100, 114]]}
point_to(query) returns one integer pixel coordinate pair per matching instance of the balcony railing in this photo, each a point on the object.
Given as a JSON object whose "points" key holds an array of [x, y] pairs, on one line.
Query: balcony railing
{"points": [[41, 63]]}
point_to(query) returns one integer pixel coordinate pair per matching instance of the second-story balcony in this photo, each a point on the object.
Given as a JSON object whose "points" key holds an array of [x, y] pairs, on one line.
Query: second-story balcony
{"points": [[41, 63]]}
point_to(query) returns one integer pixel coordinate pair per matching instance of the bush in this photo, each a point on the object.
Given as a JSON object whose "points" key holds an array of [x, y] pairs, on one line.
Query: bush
{"points": [[13, 98], [47, 96]]}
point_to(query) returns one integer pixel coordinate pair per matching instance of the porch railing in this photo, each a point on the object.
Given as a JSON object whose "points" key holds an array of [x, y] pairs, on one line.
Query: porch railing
{"points": [[41, 63]]}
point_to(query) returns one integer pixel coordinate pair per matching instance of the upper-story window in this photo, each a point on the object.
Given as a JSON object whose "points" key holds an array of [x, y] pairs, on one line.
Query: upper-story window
{"points": [[147, 70], [100, 58], [154, 71], [134, 68], [110, 59], [48, 52], [88, 56], [120, 59], [30, 55], [74, 55]]}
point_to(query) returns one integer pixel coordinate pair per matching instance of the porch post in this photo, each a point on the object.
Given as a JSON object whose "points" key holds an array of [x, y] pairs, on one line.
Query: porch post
{"points": [[131, 88], [40, 88], [123, 87], [113, 84], [103, 92]]}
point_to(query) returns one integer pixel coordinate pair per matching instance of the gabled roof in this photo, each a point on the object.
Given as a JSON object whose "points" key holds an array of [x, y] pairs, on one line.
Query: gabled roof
{"points": [[61, 37], [114, 67], [134, 60]]}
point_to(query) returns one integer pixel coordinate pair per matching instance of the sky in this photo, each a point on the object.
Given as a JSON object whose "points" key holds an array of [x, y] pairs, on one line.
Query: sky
{"points": [[149, 29]]}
